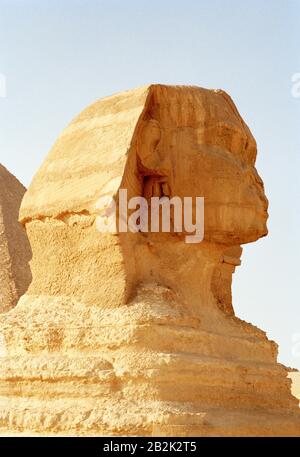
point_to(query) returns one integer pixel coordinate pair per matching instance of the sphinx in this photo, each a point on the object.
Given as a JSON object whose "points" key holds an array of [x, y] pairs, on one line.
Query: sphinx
{"points": [[135, 333]]}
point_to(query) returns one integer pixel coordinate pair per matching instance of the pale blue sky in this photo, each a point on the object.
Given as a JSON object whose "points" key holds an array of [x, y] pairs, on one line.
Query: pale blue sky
{"points": [[60, 56]]}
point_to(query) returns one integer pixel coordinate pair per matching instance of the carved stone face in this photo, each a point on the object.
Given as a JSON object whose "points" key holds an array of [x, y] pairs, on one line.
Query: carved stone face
{"points": [[200, 146]]}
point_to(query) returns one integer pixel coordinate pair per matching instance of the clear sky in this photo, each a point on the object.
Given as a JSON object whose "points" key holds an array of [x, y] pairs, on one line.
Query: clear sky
{"points": [[59, 56]]}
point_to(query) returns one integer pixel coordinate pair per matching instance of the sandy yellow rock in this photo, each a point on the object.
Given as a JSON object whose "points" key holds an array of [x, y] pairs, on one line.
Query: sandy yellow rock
{"points": [[15, 251], [135, 333]]}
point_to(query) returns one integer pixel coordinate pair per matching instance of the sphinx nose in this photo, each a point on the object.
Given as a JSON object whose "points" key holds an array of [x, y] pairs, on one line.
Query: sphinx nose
{"points": [[260, 190]]}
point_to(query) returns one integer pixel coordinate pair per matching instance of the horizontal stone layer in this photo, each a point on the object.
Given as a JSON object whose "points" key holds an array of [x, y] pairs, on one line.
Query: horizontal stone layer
{"points": [[120, 417], [203, 380]]}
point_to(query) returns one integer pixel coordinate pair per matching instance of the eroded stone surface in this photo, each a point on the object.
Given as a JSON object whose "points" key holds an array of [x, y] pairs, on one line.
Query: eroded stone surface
{"points": [[135, 334], [15, 251]]}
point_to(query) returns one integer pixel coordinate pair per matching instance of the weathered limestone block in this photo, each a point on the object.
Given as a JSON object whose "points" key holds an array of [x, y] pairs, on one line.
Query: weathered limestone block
{"points": [[15, 251], [135, 333]]}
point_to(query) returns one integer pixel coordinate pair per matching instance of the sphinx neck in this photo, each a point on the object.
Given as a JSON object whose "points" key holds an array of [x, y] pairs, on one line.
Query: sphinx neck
{"points": [[199, 273]]}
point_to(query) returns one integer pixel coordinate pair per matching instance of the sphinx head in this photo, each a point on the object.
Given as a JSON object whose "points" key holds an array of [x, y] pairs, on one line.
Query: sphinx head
{"points": [[194, 143], [160, 140]]}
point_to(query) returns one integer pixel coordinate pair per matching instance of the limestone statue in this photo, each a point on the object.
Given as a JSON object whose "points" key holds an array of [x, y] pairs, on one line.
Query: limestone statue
{"points": [[135, 333]]}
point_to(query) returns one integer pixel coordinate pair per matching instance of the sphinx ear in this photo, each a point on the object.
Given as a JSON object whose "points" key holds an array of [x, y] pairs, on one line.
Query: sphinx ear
{"points": [[152, 166], [149, 137]]}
